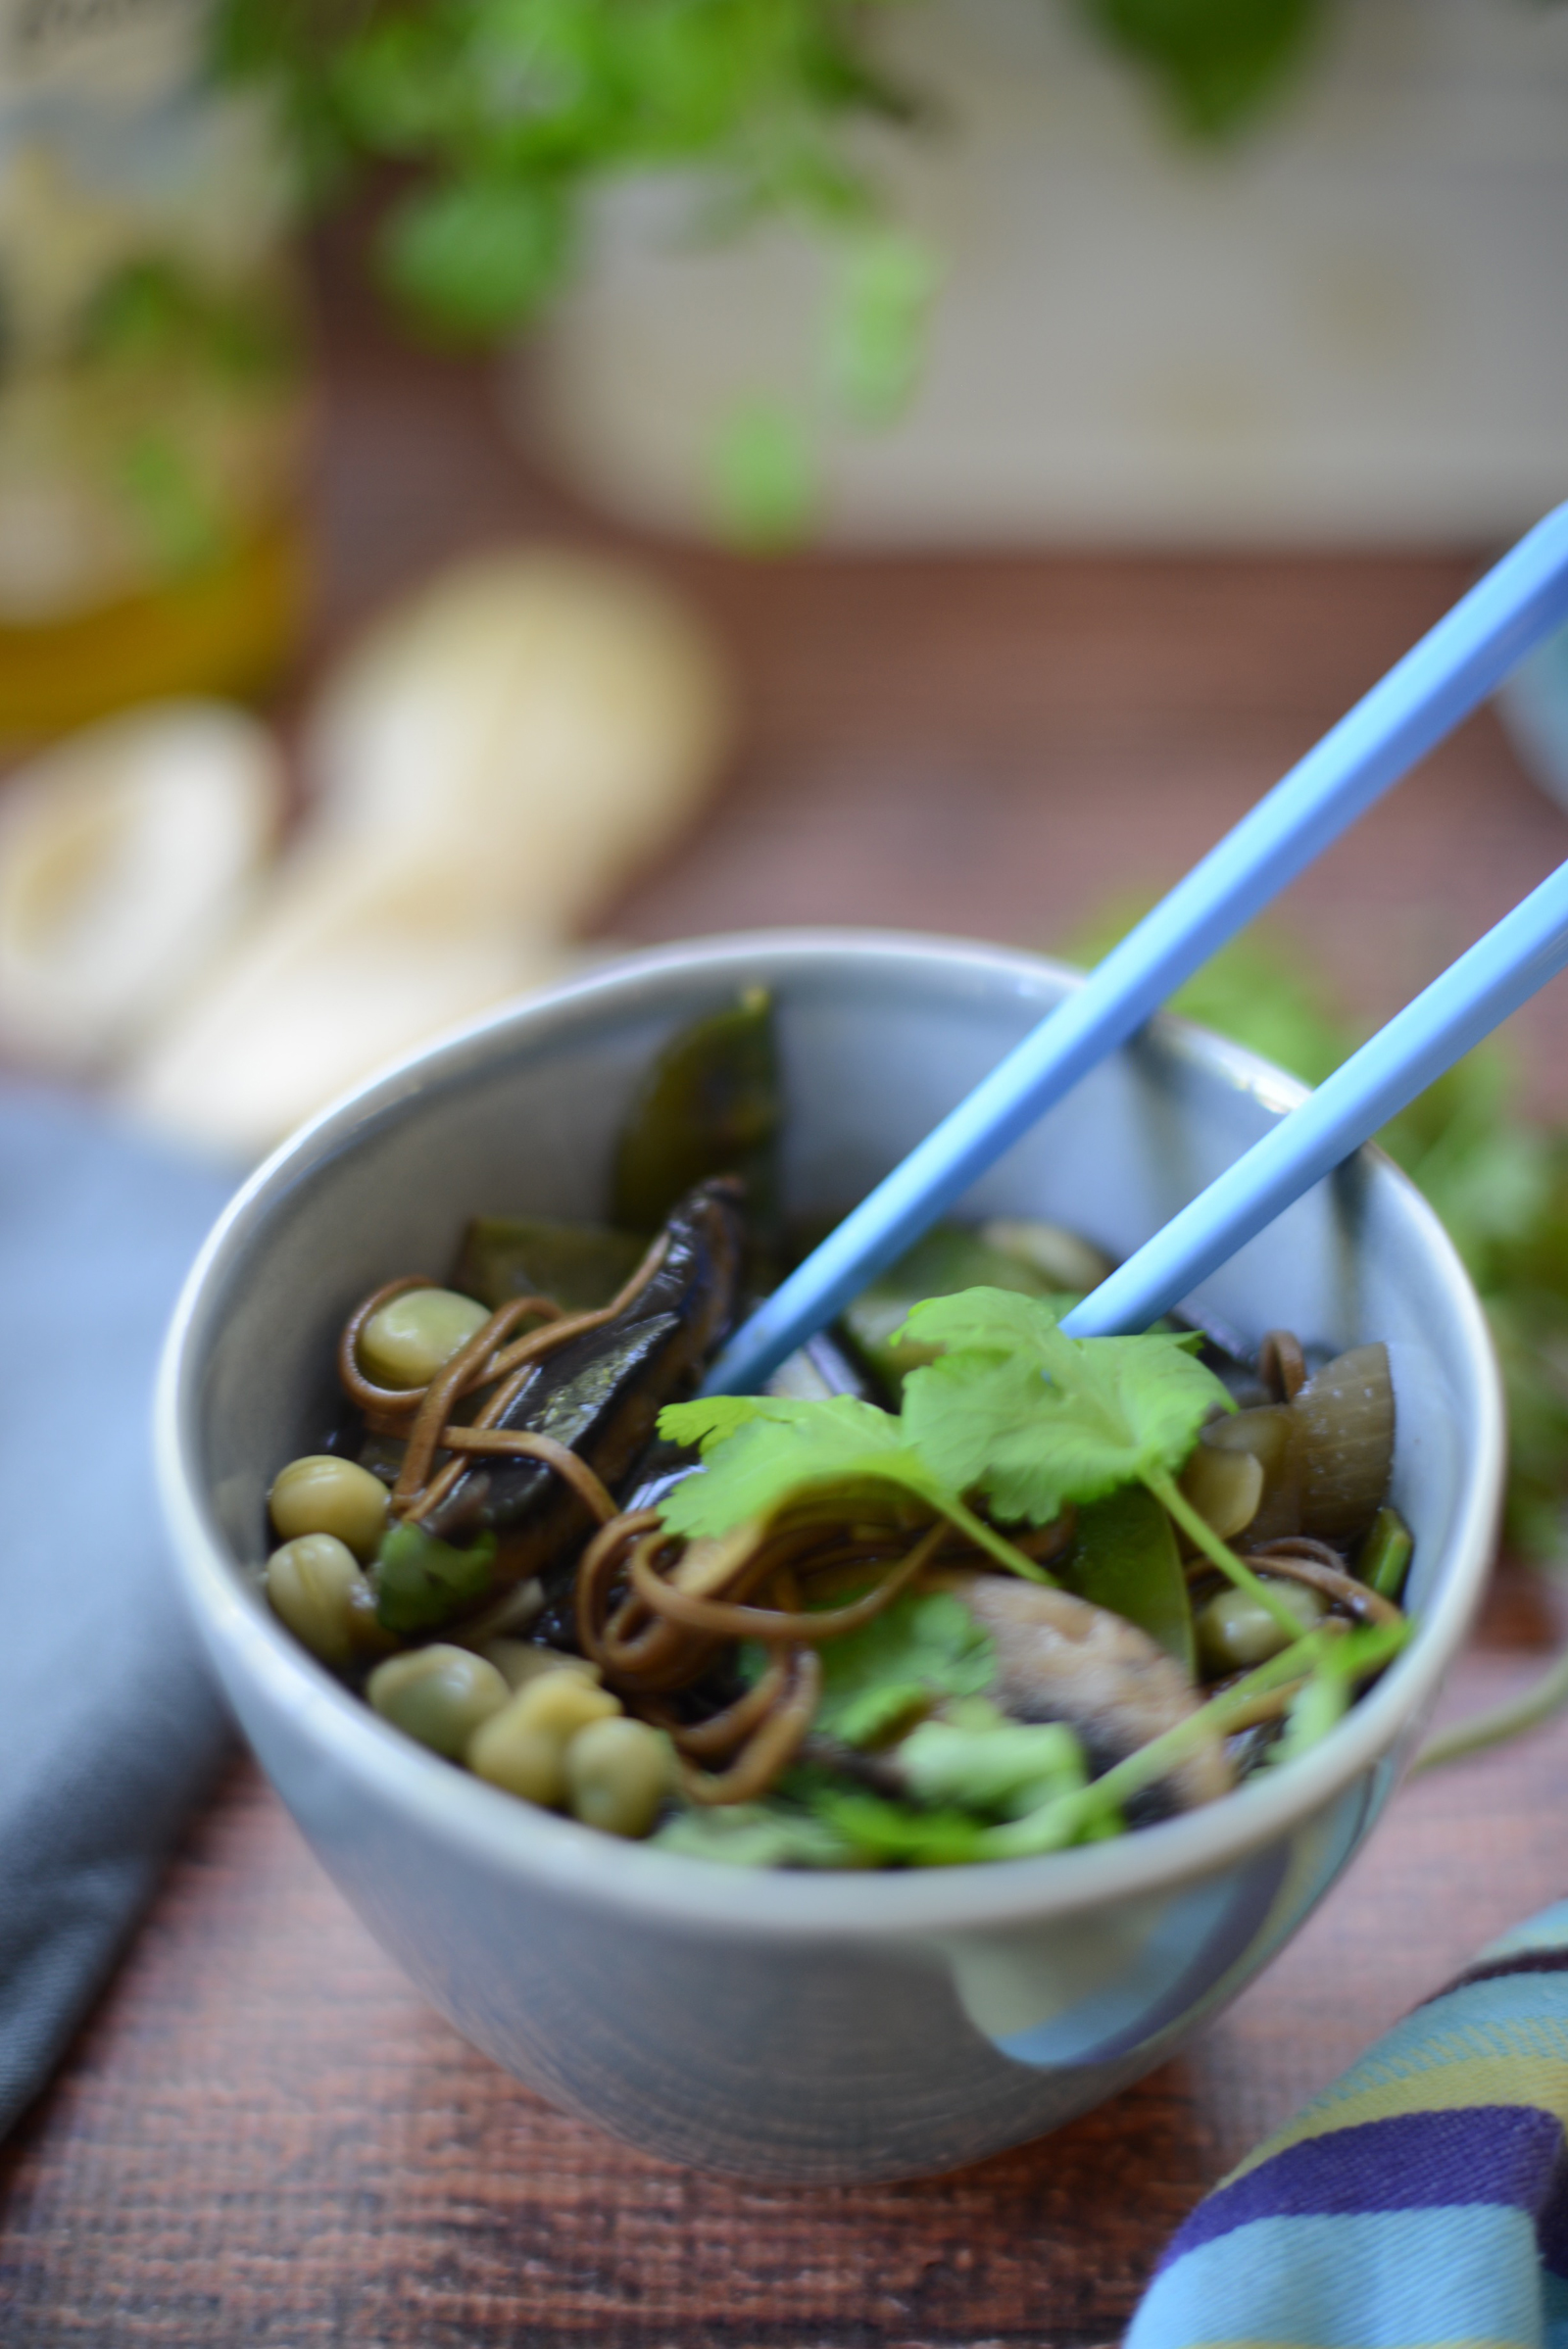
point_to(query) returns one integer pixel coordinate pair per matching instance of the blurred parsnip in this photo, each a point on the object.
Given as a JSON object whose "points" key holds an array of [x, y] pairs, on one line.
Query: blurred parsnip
{"points": [[126, 854], [491, 765]]}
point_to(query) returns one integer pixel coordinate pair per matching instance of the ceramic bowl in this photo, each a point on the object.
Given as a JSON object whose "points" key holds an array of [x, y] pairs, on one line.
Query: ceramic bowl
{"points": [[791, 2027]]}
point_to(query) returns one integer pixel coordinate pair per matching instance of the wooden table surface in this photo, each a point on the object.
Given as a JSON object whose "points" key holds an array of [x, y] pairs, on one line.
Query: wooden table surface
{"points": [[261, 2137]]}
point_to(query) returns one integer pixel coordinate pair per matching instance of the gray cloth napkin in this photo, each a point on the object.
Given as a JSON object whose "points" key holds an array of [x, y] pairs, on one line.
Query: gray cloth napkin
{"points": [[110, 1725]]}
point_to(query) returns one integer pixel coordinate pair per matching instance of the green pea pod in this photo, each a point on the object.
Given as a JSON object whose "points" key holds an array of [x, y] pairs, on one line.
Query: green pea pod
{"points": [[1385, 1556], [710, 1105], [1124, 1557], [581, 1265]]}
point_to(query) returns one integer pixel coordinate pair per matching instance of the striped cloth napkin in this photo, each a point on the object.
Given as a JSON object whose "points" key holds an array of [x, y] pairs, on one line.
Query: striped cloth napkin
{"points": [[1419, 2203]]}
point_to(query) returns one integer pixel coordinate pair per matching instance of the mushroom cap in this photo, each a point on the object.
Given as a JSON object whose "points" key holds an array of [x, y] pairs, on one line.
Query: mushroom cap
{"points": [[1058, 1658]]}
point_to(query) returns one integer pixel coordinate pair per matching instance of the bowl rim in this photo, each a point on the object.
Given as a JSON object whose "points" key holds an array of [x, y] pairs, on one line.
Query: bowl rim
{"points": [[495, 1830]]}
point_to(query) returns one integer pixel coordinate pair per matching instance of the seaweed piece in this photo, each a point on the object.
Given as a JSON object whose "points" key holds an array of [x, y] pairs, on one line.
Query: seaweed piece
{"points": [[709, 1105], [601, 1394], [581, 1265]]}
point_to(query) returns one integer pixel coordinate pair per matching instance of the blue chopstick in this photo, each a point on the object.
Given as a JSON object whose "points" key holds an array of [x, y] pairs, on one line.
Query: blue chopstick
{"points": [[1499, 973], [1440, 681]]}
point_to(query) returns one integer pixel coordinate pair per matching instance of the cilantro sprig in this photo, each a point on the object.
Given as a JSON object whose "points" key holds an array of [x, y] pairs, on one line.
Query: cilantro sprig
{"points": [[1035, 1419], [1012, 1408], [763, 1452]]}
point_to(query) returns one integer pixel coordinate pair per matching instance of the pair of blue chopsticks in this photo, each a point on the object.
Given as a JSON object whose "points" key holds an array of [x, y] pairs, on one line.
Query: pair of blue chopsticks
{"points": [[1522, 601]]}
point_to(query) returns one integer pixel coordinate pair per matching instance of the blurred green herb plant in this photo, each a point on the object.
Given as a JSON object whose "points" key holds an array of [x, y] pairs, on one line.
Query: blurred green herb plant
{"points": [[1500, 1184], [502, 119]]}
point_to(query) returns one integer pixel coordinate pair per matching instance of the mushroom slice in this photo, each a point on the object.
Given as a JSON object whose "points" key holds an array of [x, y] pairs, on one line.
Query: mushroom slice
{"points": [[1060, 1659]]}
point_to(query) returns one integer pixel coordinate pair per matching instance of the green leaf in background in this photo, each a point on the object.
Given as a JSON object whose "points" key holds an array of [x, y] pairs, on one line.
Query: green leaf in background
{"points": [[763, 483], [476, 256], [182, 523], [506, 118], [1217, 63], [884, 285]]}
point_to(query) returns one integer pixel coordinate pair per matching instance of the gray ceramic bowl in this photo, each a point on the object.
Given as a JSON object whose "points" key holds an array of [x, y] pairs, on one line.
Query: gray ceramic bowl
{"points": [[792, 2026]]}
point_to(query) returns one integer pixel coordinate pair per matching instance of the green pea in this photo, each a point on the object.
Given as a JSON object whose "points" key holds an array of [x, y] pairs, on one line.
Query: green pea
{"points": [[315, 1584], [519, 1661], [618, 1776], [524, 1747], [564, 1703], [439, 1695], [408, 1340], [1224, 1488], [512, 1753], [324, 1494], [1235, 1633]]}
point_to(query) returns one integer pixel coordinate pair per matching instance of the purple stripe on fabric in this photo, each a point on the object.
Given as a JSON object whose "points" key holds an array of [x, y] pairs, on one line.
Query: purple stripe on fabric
{"points": [[1552, 2226], [1503, 2153]]}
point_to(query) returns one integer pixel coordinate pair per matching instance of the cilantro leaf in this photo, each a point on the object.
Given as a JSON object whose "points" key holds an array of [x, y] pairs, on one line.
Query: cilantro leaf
{"points": [[421, 1582], [926, 1646], [950, 1257], [1011, 1768], [1325, 1697], [760, 1451], [883, 1832], [756, 1835], [1035, 1419]]}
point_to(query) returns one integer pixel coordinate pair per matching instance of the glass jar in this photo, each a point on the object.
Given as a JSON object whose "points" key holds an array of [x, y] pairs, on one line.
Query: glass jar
{"points": [[151, 369]]}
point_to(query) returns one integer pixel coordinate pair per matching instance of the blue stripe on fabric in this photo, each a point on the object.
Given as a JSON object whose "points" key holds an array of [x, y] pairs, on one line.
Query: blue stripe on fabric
{"points": [[1540, 1931], [1459, 2024], [1500, 2153], [1389, 2280], [1502, 2001], [1500, 1998]]}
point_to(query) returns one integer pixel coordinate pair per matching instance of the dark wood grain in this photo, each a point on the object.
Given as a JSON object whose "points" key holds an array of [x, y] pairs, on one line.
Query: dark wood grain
{"points": [[261, 2136]]}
